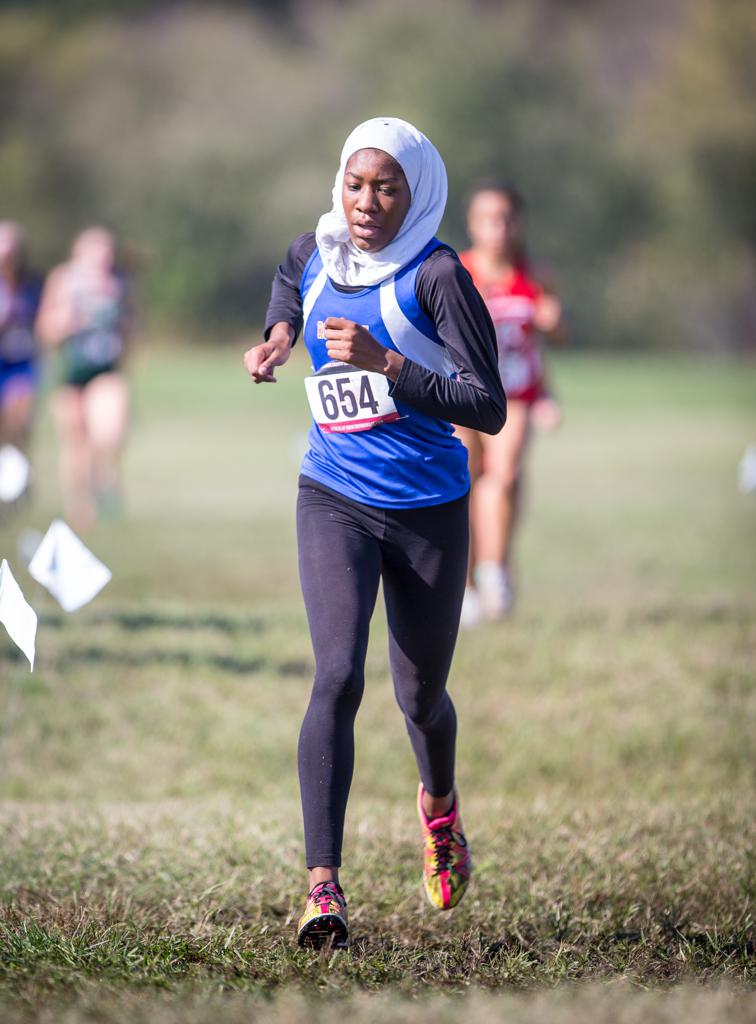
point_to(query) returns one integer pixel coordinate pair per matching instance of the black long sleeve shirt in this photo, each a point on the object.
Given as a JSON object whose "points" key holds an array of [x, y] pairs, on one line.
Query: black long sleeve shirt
{"points": [[474, 397]]}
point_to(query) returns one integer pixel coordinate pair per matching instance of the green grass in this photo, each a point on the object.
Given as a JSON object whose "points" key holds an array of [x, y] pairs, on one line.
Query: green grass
{"points": [[151, 854]]}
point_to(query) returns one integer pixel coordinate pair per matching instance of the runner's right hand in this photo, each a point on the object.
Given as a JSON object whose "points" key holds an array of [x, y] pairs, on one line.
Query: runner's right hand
{"points": [[260, 360]]}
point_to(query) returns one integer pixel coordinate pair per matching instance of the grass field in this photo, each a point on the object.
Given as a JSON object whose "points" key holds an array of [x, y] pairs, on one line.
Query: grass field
{"points": [[151, 847]]}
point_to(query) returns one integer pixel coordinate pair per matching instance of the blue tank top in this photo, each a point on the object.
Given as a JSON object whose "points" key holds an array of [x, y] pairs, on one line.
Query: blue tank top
{"points": [[18, 309], [416, 460]]}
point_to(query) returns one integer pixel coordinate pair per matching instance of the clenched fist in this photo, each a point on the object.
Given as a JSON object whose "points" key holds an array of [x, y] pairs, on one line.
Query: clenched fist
{"points": [[348, 342]]}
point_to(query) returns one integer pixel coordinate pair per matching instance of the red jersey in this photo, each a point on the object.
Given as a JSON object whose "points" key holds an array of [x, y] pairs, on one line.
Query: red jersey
{"points": [[511, 301]]}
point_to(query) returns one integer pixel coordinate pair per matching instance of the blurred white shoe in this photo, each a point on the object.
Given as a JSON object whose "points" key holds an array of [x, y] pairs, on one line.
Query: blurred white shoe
{"points": [[472, 613], [747, 471], [495, 589], [14, 474]]}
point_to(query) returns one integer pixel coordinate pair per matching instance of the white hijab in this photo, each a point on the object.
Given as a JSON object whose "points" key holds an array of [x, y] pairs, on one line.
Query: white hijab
{"points": [[426, 176]]}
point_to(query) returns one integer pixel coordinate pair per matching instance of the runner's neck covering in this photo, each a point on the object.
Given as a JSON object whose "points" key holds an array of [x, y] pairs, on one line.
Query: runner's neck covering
{"points": [[426, 176]]}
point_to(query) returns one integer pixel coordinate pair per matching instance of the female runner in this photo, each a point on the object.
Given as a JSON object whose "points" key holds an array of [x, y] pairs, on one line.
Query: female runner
{"points": [[401, 346], [520, 307], [86, 311], [19, 299]]}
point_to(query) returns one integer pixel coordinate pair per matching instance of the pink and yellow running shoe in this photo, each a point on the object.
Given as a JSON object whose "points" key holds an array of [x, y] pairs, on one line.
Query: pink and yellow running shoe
{"points": [[324, 921], [447, 864]]}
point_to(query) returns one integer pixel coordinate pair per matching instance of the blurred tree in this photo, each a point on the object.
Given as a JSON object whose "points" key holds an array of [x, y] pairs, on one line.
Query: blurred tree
{"points": [[208, 135], [692, 273]]}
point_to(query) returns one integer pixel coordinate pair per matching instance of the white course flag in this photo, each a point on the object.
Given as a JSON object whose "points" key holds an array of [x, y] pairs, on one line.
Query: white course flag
{"points": [[14, 473], [18, 617], [67, 568]]}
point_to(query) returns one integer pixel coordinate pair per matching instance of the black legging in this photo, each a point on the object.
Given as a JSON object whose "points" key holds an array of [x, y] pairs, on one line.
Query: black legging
{"points": [[345, 548]]}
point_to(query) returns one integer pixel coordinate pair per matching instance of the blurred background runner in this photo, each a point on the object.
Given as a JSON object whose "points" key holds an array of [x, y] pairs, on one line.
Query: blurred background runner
{"points": [[86, 314], [522, 309], [19, 300]]}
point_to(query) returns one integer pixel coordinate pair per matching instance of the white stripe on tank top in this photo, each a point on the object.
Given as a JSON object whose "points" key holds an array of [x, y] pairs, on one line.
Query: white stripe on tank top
{"points": [[408, 340], [312, 295]]}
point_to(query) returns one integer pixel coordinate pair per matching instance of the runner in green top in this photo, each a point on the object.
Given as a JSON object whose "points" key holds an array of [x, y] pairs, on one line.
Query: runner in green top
{"points": [[86, 315]]}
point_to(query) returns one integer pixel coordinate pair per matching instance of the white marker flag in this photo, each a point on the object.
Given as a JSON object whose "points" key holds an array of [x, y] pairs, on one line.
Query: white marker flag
{"points": [[16, 615], [14, 473], [67, 568]]}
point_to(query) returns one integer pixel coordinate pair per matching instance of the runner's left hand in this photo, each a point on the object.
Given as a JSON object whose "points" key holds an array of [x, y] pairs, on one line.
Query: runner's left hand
{"points": [[548, 313], [352, 343]]}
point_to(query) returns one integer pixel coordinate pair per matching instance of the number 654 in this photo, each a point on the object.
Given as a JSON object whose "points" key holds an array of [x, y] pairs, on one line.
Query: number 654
{"points": [[338, 397]]}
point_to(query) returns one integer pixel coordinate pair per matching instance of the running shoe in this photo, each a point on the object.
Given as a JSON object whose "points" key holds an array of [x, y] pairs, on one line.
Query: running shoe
{"points": [[472, 613], [324, 922], [495, 588], [447, 864]]}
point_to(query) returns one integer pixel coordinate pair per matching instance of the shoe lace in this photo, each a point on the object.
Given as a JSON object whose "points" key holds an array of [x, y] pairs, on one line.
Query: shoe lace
{"points": [[442, 839], [326, 889]]}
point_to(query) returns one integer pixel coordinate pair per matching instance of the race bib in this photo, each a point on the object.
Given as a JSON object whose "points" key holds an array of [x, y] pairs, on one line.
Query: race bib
{"points": [[515, 369], [349, 400]]}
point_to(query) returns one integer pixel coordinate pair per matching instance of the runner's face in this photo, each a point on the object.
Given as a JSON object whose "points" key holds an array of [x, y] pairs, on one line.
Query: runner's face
{"points": [[95, 250], [376, 198], [493, 226]]}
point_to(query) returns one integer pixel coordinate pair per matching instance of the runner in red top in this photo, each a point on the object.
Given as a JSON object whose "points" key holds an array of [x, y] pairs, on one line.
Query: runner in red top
{"points": [[512, 299], [522, 309]]}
